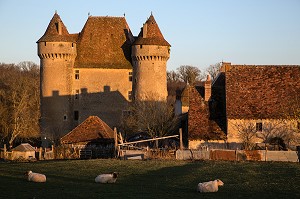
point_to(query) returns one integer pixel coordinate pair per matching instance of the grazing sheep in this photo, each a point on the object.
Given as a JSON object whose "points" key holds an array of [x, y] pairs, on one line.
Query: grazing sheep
{"points": [[211, 186], [107, 178], [35, 177]]}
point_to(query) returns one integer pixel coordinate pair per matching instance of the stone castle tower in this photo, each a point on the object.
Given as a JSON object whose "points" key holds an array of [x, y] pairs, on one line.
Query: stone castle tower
{"points": [[150, 53], [57, 52], [98, 71]]}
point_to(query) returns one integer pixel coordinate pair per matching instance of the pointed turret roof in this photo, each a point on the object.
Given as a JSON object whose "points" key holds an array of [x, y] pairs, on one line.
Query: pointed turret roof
{"points": [[150, 34], [92, 129], [57, 31]]}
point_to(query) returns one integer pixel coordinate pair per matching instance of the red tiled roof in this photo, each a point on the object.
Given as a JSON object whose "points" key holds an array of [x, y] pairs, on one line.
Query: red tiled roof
{"points": [[153, 34], [104, 42], [52, 34], [260, 92], [92, 129]]}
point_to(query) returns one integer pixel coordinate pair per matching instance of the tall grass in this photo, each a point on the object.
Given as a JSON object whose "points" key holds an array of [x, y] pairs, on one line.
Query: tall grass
{"points": [[151, 179]]}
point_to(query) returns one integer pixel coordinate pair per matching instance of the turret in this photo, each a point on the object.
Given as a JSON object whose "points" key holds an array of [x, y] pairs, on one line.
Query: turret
{"points": [[150, 53], [57, 52]]}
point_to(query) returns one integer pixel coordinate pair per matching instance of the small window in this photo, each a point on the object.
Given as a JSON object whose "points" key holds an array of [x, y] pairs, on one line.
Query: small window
{"points": [[258, 126], [65, 118], [76, 74], [130, 76], [76, 115], [45, 43], [130, 95], [72, 45], [77, 94], [141, 46], [298, 125]]}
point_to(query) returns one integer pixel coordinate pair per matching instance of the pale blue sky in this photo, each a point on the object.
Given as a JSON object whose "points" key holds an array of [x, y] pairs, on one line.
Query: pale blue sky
{"points": [[201, 32]]}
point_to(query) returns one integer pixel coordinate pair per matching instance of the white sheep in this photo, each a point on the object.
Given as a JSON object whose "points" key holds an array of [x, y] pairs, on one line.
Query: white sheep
{"points": [[211, 186], [107, 178], [35, 177]]}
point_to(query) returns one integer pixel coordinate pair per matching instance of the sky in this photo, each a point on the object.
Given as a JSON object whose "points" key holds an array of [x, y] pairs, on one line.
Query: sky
{"points": [[201, 32]]}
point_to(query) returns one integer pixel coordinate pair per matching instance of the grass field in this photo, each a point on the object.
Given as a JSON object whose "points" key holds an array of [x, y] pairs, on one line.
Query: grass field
{"points": [[151, 179]]}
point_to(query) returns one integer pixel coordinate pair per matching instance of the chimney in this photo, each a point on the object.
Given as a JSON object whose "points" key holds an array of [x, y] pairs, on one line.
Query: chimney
{"points": [[225, 66], [207, 88]]}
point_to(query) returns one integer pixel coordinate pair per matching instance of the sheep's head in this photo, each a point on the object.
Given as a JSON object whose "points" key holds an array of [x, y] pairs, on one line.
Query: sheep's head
{"points": [[114, 174], [27, 173], [220, 183]]}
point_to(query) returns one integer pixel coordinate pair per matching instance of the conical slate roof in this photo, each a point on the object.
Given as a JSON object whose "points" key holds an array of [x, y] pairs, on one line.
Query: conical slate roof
{"points": [[150, 34], [92, 129], [53, 34]]}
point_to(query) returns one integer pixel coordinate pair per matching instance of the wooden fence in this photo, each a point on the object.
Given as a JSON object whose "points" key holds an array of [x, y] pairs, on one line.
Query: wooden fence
{"points": [[238, 155]]}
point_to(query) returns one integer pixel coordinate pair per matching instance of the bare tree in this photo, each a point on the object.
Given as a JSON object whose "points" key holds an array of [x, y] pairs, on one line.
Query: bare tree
{"points": [[246, 131], [190, 74], [19, 108], [172, 76], [155, 118], [213, 70]]}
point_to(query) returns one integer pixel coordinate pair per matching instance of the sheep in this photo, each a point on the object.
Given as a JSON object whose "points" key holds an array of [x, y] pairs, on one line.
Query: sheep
{"points": [[107, 178], [35, 177], [211, 186]]}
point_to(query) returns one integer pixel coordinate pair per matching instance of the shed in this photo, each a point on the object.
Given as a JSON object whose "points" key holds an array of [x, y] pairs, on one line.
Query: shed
{"points": [[93, 135], [24, 150]]}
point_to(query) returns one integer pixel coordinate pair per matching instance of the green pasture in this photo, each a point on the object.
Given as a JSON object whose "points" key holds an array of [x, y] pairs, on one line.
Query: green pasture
{"points": [[156, 179]]}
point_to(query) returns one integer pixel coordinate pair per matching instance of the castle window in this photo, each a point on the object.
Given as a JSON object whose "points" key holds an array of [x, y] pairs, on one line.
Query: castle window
{"points": [[45, 43], [77, 94], [258, 126], [76, 115], [130, 95], [141, 46], [76, 74], [130, 76], [65, 117], [72, 45]]}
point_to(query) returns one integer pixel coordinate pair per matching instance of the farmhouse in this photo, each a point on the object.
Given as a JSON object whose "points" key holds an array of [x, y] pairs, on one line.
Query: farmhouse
{"points": [[258, 100]]}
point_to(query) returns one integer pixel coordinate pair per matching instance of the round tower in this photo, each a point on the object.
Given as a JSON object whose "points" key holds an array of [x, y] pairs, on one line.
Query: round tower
{"points": [[57, 52], [150, 53]]}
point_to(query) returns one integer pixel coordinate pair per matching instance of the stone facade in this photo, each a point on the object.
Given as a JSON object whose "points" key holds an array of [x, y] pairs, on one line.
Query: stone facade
{"points": [[98, 71], [264, 98]]}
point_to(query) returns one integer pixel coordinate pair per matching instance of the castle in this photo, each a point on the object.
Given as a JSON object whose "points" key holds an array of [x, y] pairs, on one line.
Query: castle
{"points": [[98, 71]]}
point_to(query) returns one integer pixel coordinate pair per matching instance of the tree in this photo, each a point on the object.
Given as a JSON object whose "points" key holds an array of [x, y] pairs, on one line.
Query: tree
{"points": [[172, 76], [246, 131], [190, 74], [155, 118], [19, 101], [213, 70]]}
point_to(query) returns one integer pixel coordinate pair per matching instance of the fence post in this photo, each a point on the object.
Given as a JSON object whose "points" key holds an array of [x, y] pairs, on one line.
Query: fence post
{"points": [[116, 141], [266, 154], [180, 138], [4, 150], [40, 153]]}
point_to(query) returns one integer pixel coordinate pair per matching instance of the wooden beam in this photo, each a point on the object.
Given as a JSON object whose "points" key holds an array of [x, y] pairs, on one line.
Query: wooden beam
{"points": [[152, 139]]}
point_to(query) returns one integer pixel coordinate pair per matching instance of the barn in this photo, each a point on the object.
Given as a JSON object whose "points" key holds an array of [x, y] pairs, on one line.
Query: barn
{"points": [[93, 138]]}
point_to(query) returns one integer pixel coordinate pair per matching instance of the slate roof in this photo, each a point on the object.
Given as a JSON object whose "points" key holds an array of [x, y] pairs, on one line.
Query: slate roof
{"points": [[104, 42], [52, 34], [92, 129], [23, 147], [153, 35], [262, 91]]}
